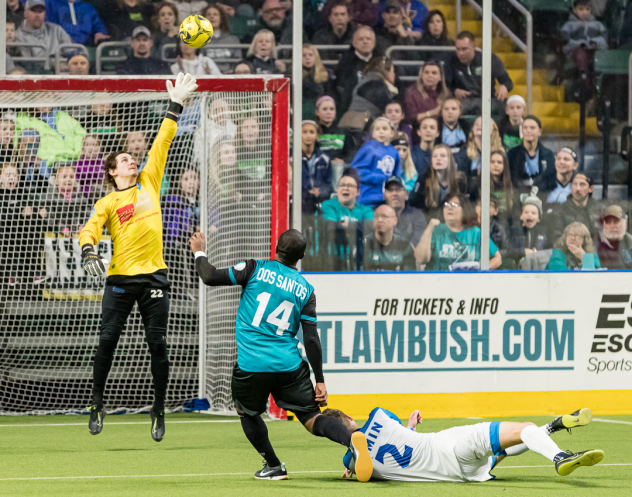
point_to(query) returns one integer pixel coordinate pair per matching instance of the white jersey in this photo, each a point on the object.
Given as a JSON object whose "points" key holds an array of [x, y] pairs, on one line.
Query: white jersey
{"points": [[458, 455]]}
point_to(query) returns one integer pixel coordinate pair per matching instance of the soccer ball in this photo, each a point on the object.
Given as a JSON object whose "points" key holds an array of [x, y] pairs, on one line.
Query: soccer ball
{"points": [[196, 31]]}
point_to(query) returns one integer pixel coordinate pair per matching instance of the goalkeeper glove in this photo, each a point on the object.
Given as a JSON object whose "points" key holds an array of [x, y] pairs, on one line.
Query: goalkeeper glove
{"points": [[185, 85], [92, 263]]}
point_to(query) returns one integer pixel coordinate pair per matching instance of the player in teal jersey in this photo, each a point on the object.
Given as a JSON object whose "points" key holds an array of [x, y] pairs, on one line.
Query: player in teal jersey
{"points": [[276, 301]]}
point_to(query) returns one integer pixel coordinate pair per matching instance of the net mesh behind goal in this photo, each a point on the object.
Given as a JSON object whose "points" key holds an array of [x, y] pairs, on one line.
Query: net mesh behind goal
{"points": [[219, 177]]}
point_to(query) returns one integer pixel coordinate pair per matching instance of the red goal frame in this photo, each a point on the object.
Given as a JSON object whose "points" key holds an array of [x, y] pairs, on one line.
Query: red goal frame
{"points": [[278, 86]]}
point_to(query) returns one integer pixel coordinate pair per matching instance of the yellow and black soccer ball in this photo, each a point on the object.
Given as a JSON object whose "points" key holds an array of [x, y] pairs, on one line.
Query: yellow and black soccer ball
{"points": [[196, 31]]}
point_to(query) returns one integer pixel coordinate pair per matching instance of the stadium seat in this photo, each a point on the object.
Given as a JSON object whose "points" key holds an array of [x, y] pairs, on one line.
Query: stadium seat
{"points": [[550, 5]]}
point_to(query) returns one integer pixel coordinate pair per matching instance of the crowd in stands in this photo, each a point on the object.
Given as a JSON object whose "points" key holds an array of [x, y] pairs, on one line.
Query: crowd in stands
{"points": [[390, 171]]}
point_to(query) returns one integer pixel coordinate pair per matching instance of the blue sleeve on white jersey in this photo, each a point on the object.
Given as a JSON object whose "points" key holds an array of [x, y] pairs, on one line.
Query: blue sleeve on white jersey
{"points": [[346, 460]]}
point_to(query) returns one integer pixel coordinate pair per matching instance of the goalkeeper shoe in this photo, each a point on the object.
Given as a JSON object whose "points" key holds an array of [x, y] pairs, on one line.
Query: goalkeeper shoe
{"points": [[272, 473], [579, 418], [157, 424], [363, 463], [95, 425], [565, 466]]}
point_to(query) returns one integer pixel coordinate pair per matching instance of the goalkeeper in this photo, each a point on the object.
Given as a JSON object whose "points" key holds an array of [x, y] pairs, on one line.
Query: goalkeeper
{"points": [[137, 272]]}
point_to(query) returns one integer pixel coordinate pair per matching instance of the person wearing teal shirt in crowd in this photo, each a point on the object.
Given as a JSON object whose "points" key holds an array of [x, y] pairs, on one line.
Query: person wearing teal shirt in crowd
{"points": [[574, 250], [445, 244]]}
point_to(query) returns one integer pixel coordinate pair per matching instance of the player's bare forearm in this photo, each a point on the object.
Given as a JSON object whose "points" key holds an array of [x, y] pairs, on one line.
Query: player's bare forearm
{"points": [[210, 275]]}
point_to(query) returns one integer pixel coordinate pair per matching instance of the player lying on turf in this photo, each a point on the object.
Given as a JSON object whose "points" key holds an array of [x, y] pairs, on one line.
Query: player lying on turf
{"points": [[385, 450], [275, 301], [137, 273]]}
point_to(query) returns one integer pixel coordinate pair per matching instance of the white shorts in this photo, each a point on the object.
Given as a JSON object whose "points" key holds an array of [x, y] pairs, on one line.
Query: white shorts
{"points": [[474, 448]]}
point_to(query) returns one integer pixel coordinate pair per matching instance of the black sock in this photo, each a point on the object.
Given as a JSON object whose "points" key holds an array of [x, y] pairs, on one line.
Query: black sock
{"points": [[100, 370], [160, 373], [257, 433], [333, 429]]}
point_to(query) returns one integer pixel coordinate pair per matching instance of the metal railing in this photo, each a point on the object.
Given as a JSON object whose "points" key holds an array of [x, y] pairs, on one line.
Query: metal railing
{"points": [[525, 47], [100, 58], [45, 59], [59, 58], [630, 90]]}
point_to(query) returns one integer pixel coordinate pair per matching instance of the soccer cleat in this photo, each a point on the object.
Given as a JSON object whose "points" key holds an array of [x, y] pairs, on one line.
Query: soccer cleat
{"points": [[272, 473], [95, 425], [566, 466], [579, 418], [363, 462], [157, 425]]}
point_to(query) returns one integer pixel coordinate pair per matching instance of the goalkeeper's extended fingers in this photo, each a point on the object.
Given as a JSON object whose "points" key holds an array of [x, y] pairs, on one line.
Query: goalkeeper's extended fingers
{"points": [[169, 87], [179, 79]]}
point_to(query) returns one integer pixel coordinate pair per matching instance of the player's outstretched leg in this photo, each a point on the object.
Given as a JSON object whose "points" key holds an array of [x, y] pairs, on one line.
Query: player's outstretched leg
{"points": [[256, 432], [100, 370], [160, 374]]}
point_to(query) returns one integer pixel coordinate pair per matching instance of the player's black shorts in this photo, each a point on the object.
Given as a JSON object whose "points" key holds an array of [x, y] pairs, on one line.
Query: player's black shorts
{"points": [[292, 391], [151, 291]]}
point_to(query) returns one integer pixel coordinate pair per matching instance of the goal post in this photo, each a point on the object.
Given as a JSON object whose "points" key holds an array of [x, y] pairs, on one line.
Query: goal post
{"points": [[232, 144]]}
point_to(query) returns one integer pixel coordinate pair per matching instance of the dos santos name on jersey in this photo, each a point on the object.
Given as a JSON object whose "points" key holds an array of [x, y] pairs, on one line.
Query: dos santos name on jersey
{"points": [[282, 282]]}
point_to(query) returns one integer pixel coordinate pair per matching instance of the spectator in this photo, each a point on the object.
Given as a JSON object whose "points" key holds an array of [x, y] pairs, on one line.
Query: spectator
{"points": [[274, 19], [189, 60], [583, 35], [374, 92], [316, 80], [414, 12], [79, 19], [615, 245], [426, 97], [337, 32], [375, 162], [497, 232], [125, 16], [428, 132], [332, 139], [559, 186], [469, 157], [432, 188], [463, 74], [409, 172], [165, 25], [244, 67], [78, 64], [393, 32], [353, 63], [15, 12], [101, 119], [11, 51], [574, 250], [510, 126], [36, 30], [34, 173], [67, 210], [249, 145], [530, 235], [394, 112], [136, 145], [221, 36], [579, 206], [625, 35], [385, 250], [531, 160], [411, 222], [445, 244], [500, 187], [60, 136], [90, 168], [262, 54], [361, 12], [7, 136], [188, 8], [435, 34], [141, 62], [453, 131], [317, 173]]}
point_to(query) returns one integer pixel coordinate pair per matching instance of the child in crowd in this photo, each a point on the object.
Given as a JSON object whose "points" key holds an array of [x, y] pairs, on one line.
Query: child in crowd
{"points": [[66, 207], [500, 186], [394, 112], [497, 232], [375, 162], [409, 172], [136, 145], [262, 54], [530, 235], [332, 139], [428, 132], [452, 133], [469, 157], [510, 126], [317, 171], [7, 134], [89, 167]]}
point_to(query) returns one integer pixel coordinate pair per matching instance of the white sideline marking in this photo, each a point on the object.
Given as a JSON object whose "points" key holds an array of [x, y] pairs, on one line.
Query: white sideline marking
{"points": [[132, 423], [235, 474], [612, 421]]}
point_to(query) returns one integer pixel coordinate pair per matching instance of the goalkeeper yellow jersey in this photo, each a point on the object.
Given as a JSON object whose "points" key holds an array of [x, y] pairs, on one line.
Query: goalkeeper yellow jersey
{"points": [[133, 216]]}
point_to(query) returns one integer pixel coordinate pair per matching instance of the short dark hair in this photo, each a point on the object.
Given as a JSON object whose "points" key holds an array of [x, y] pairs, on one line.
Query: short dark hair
{"points": [[584, 3], [291, 246], [336, 414], [110, 164], [466, 34]]}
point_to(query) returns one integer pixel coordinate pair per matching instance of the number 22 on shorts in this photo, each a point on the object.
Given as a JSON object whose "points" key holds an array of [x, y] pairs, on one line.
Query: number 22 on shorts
{"points": [[285, 308], [156, 294]]}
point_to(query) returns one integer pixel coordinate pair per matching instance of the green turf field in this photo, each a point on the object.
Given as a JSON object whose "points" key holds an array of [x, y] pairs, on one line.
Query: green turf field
{"points": [[40, 456]]}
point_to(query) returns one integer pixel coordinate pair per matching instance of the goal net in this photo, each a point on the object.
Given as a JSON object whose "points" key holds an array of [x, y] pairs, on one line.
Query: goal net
{"points": [[226, 175]]}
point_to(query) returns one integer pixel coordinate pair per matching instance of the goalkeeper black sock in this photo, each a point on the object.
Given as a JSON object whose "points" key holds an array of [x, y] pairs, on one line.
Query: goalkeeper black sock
{"points": [[101, 369], [160, 373], [333, 429], [257, 434]]}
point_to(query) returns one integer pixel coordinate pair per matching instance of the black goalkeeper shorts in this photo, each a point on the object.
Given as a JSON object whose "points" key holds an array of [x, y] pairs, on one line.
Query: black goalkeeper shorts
{"points": [[292, 391]]}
